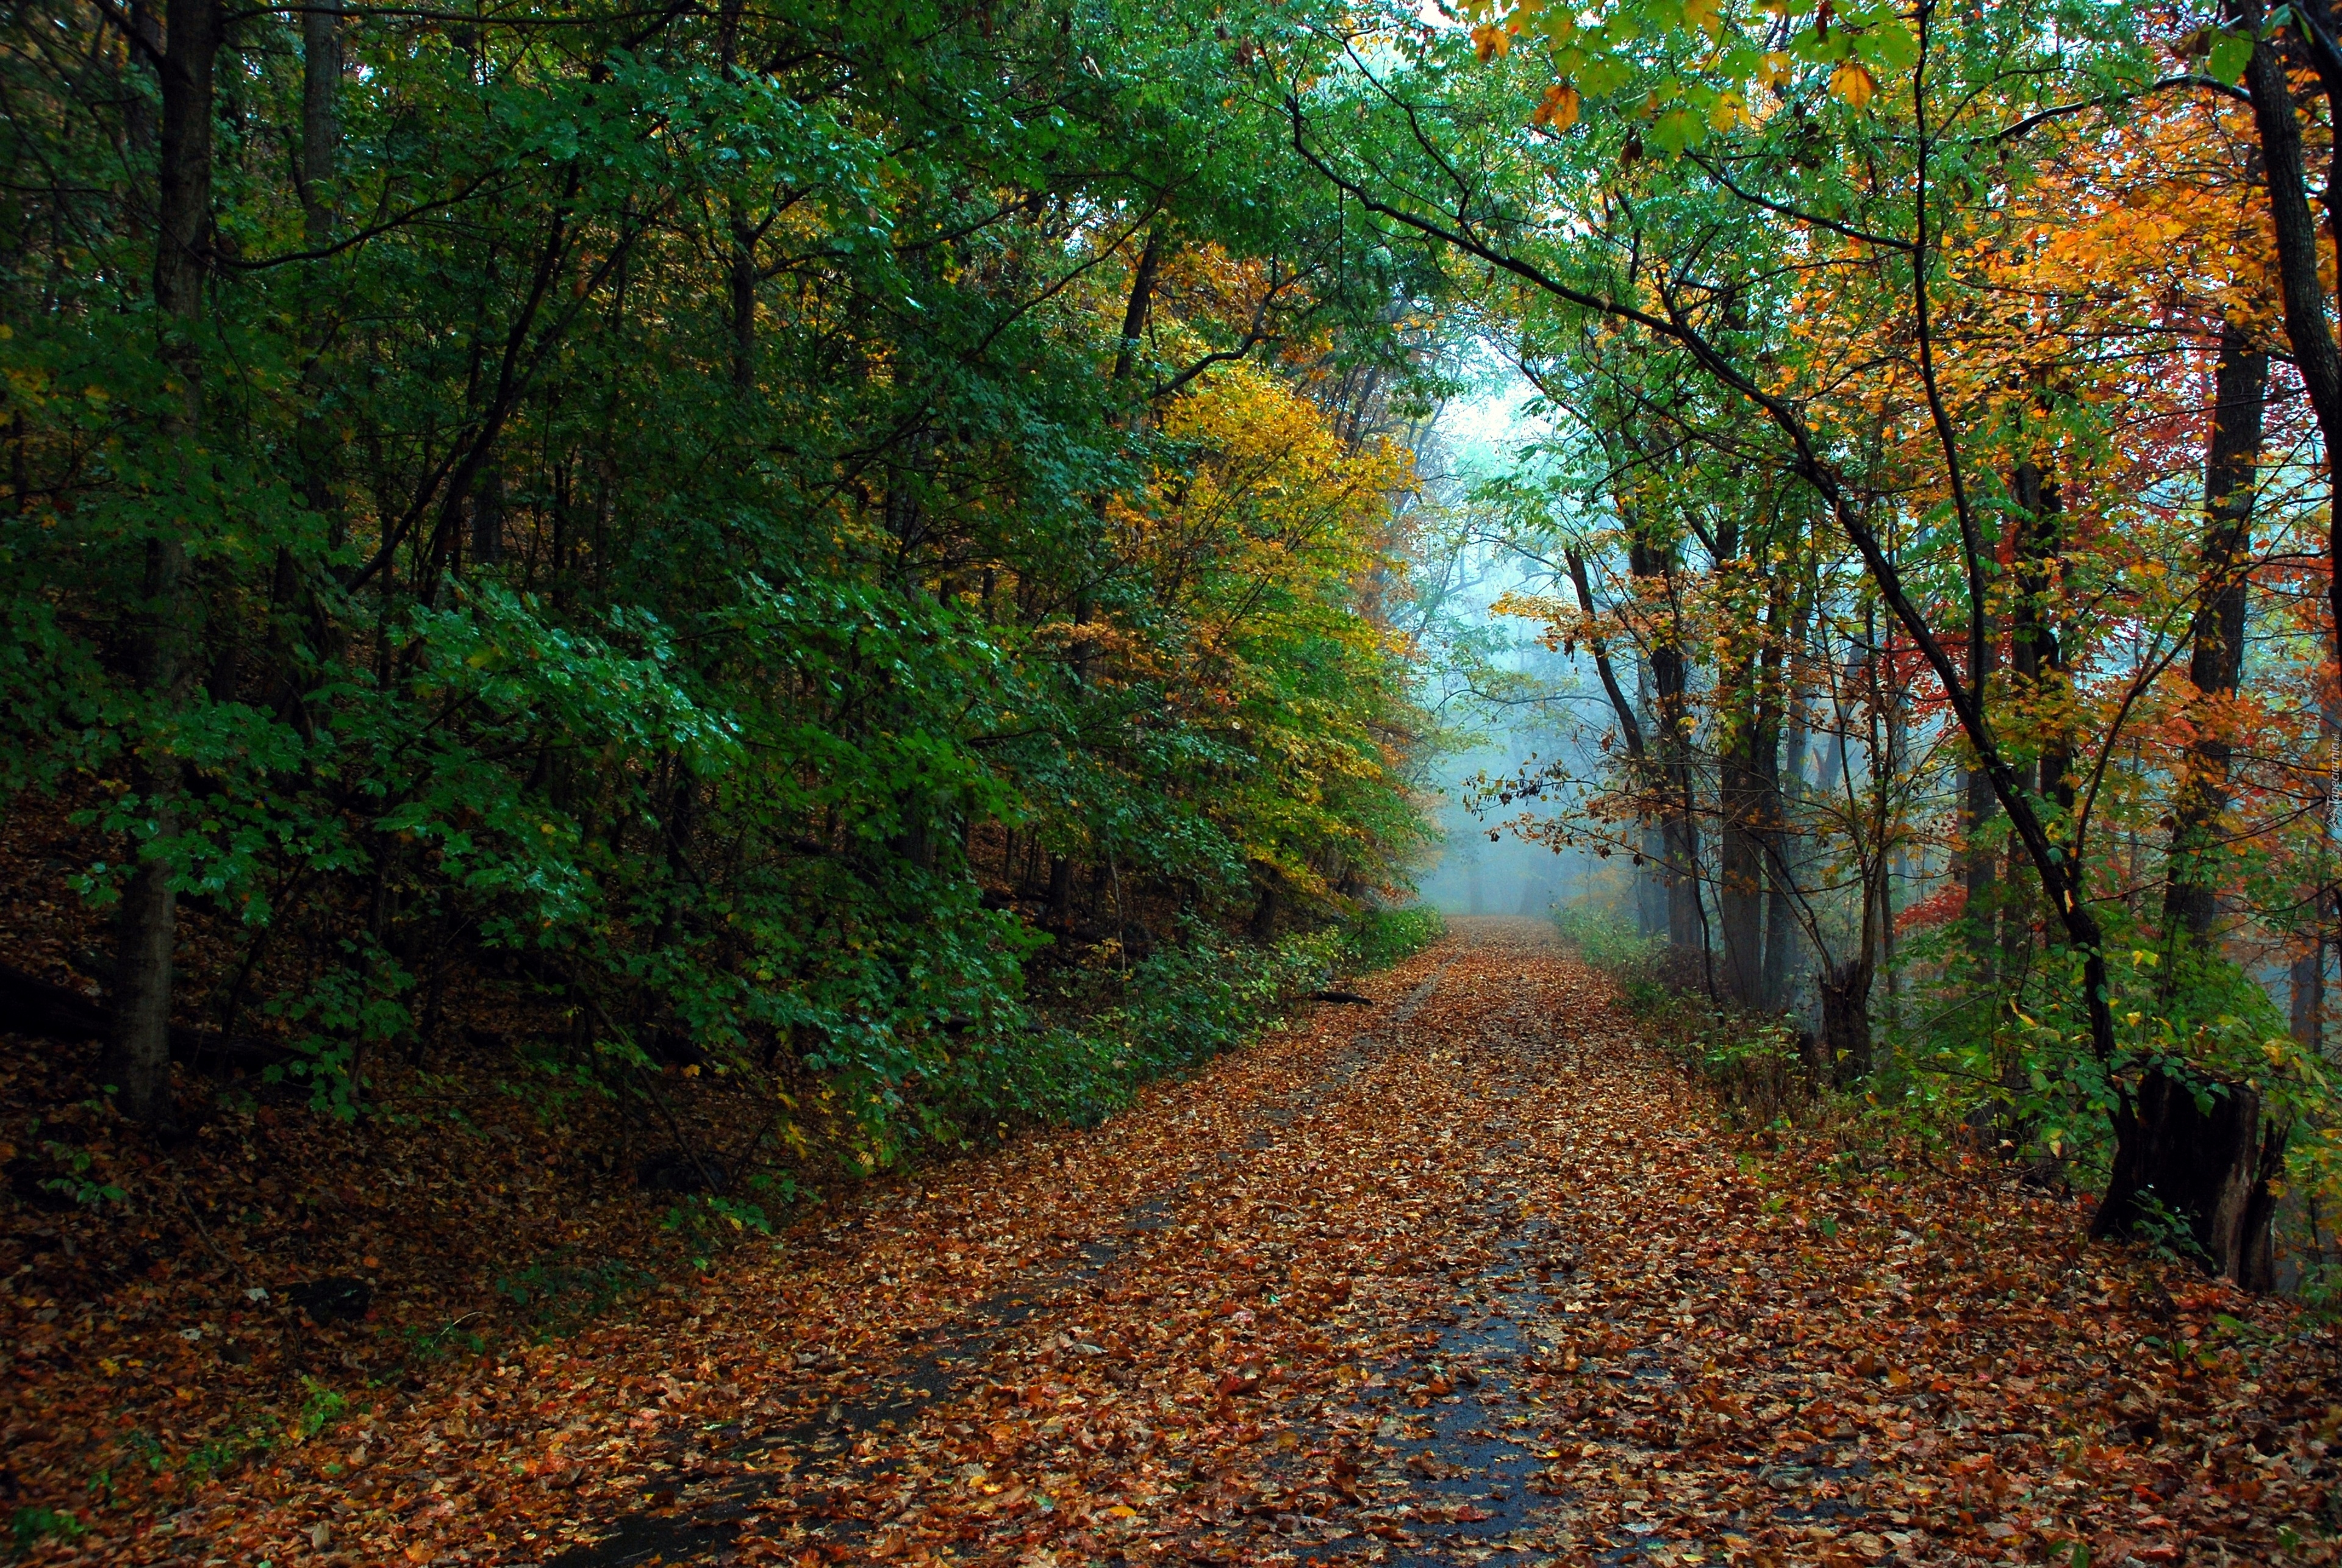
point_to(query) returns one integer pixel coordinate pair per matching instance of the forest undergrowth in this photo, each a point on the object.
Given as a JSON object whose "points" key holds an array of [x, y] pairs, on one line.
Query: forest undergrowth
{"points": [[1471, 1274]]}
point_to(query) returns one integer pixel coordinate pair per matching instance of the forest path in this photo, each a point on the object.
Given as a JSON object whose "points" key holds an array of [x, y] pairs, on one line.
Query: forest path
{"points": [[1470, 1276]]}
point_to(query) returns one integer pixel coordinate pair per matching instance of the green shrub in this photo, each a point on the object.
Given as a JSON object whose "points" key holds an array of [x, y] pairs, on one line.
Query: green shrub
{"points": [[1608, 940], [1378, 938], [559, 1295], [1163, 1017], [34, 1525]]}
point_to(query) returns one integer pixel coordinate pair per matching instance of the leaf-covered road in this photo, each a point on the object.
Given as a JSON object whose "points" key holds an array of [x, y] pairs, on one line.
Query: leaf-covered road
{"points": [[1469, 1276]]}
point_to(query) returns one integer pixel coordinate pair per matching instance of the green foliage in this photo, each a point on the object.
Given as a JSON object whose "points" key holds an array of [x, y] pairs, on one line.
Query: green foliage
{"points": [[218, 1456], [661, 529], [558, 1297], [1163, 1016], [1167, 1016], [2014, 1049], [1637, 964], [1607, 940], [1378, 938], [31, 1527], [74, 1181], [320, 1407], [425, 1346], [707, 1223], [2320, 1290], [1756, 1062]]}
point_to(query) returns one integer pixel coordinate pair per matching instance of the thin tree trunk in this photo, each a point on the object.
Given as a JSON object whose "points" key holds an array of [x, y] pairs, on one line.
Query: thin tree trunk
{"points": [[1140, 306], [2306, 983], [1781, 611], [488, 519], [137, 1059], [319, 191], [1679, 829], [1781, 930], [1651, 883], [1650, 872], [742, 280], [1650, 913], [2034, 666], [1980, 864], [1749, 774], [2216, 663], [1979, 867], [2308, 971], [2300, 287], [1740, 866]]}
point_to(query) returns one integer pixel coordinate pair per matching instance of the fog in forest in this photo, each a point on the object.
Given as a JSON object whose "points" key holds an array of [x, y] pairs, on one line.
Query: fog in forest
{"points": [[1508, 702]]}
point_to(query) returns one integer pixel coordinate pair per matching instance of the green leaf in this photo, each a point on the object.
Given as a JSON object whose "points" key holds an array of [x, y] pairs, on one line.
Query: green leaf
{"points": [[1677, 129], [1890, 46], [2231, 52]]}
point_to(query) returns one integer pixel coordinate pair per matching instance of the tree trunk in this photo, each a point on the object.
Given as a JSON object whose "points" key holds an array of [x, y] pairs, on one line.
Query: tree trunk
{"points": [[1782, 935], [1895, 734], [1651, 883], [137, 1058], [2306, 982], [1979, 868], [2035, 667], [1141, 305], [2308, 975], [1651, 910], [1679, 838], [2216, 663], [2303, 291], [2202, 1168], [1845, 989], [321, 118], [319, 188], [742, 280], [488, 519], [1741, 796], [1979, 865], [1740, 866], [1679, 829], [1750, 776], [1265, 912]]}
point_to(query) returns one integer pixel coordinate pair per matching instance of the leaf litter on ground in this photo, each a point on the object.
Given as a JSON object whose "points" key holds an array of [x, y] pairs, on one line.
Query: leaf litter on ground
{"points": [[1471, 1274]]}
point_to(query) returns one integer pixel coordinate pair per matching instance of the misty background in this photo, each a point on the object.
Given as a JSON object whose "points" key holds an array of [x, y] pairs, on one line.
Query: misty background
{"points": [[1506, 702]]}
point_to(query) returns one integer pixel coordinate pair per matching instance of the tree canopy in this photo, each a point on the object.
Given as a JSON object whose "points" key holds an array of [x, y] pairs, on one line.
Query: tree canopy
{"points": [[754, 528]]}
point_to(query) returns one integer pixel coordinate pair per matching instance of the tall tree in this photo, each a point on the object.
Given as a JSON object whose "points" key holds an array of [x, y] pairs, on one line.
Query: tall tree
{"points": [[165, 632]]}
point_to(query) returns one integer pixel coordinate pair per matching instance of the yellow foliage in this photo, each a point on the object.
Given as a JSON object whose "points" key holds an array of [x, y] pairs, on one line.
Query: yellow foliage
{"points": [[1559, 108], [1853, 82], [1266, 542]]}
